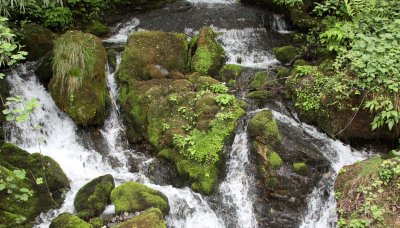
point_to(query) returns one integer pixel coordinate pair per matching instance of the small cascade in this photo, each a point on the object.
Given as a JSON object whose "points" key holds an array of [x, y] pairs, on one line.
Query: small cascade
{"points": [[212, 2], [243, 47], [279, 24], [122, 31], [235, 188]]}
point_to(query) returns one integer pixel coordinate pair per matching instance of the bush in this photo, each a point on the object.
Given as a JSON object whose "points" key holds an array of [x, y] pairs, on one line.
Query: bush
{"points": [[58, 18]]}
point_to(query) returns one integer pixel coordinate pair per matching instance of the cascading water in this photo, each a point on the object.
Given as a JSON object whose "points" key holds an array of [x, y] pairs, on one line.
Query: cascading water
{"points": [[279, 24], [61, 142]]}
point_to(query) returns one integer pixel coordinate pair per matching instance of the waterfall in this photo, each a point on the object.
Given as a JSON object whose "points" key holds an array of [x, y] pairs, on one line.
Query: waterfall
{"points": [[235, 188], [279, 24], [60, 141]]}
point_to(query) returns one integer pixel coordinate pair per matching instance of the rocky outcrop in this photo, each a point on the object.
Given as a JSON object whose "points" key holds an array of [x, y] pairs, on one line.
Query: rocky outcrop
{"points": [[367, 193], [78, 85], [36, 40], [136, 197], [67, 220], [93, 197], [24, 197], [186, 118]]}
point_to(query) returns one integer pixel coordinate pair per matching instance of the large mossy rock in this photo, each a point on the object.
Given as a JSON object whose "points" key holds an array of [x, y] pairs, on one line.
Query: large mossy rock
{"points": [[286, 54], [230, 73], [93, 197], [318, 103], [136, 197], [78, 85], [67, 220], [168, 110], [152, 218], [208, 55], [368, 193], [147, 49], [37, 40], [45, 196]]}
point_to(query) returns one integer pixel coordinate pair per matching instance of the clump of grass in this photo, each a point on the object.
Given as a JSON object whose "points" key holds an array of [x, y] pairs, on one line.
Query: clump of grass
{"points": [[73, 59]]}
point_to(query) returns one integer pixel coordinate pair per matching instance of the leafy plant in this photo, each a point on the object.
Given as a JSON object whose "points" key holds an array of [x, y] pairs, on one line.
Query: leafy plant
{"points": [[225, 99]]}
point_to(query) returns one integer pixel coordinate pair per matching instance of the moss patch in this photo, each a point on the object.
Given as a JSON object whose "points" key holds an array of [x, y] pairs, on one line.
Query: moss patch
{"points": [[134, 197], [300, 168], [78, 85], [286, 54], [67, 220], [151, 218]]}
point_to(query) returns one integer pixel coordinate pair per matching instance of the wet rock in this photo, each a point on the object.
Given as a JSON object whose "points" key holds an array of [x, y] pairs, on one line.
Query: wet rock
{"points": [[151, 218], [78, 85], [286, 54], [208, 55], [66, 220], [134, 197], [230, 73], [93, 197], [44, 71], [43, 196], [112, 59], [37, 40]]}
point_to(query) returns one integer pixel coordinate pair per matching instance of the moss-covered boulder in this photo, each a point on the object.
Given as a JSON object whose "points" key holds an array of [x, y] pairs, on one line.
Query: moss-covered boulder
{"points": [[300, 168], [151, 218], [286, 54], [78, 85], [40, 197], [67, 220], [263, 128], [135, 197], [146, 48], [93, 197], [208, 55], [168, 110], [368, 193], [333, 109], [230, 72], [37, 40]]}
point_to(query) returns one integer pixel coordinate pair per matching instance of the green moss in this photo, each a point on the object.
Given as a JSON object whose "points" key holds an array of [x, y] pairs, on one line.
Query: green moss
{"points": [[274, 160], [286, 54], [230, 72], [152, 47], [78, 85], [209, 55], [259, 95], [134, 197], [300, 62], [300, 168], [263, 128], [98, 29], [36, 40], [112, 58], [151, 218], [97, 222], [67, 220], [93, 197], [282, 72]]}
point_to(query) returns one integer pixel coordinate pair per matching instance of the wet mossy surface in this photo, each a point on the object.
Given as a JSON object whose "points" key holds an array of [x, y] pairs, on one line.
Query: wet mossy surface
{"points": [[78, 85], [187, 119], [286, 54], [150, 218], [45, 196], [93, 197], [136, 197], [67, 220]]}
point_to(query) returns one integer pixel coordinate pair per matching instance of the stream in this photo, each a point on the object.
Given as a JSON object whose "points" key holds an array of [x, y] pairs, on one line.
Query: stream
{"points": [[247, 42]]}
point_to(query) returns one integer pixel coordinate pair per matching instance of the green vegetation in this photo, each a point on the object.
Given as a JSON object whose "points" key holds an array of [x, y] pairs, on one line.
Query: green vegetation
{"points": [[367, 192], [136, 197], [275, 161], [67, 220], [150, 218], [300, 168], [230, 72], [286, 54], [93, 197]]}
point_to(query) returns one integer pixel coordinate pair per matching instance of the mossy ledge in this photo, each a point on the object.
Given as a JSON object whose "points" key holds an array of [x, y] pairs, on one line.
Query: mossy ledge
{"points": [[78, 85], [187, 119]]}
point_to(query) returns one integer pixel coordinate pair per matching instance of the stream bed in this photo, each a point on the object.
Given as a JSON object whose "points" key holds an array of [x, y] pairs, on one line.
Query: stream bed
{"points": [[240, 200]]}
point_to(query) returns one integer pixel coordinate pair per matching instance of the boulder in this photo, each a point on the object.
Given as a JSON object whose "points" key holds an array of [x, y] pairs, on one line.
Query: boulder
{"points": [[208, 55], [152, 217], [78, 85], [146, 48], [230, 72], [135, 197], [67, 220], [33, 198], [93, 197], [367, 193], [36, 40], [286, 54]]}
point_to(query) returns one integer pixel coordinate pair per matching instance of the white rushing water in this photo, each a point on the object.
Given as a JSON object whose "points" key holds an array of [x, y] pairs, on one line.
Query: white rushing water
{"points": [[61, 142], [211, 2], [240, 49], [122, 31], [235, 188], [279, 24]]}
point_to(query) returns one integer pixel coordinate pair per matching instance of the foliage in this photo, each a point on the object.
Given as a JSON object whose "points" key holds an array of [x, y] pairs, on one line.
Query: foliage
{"points": [[19, 110], [58, 17], [288, 2], [274, 160], [225, 99]]}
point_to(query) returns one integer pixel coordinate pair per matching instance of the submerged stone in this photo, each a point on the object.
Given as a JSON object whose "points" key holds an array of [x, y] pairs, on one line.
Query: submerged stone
{"points": [[78, 85]]}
